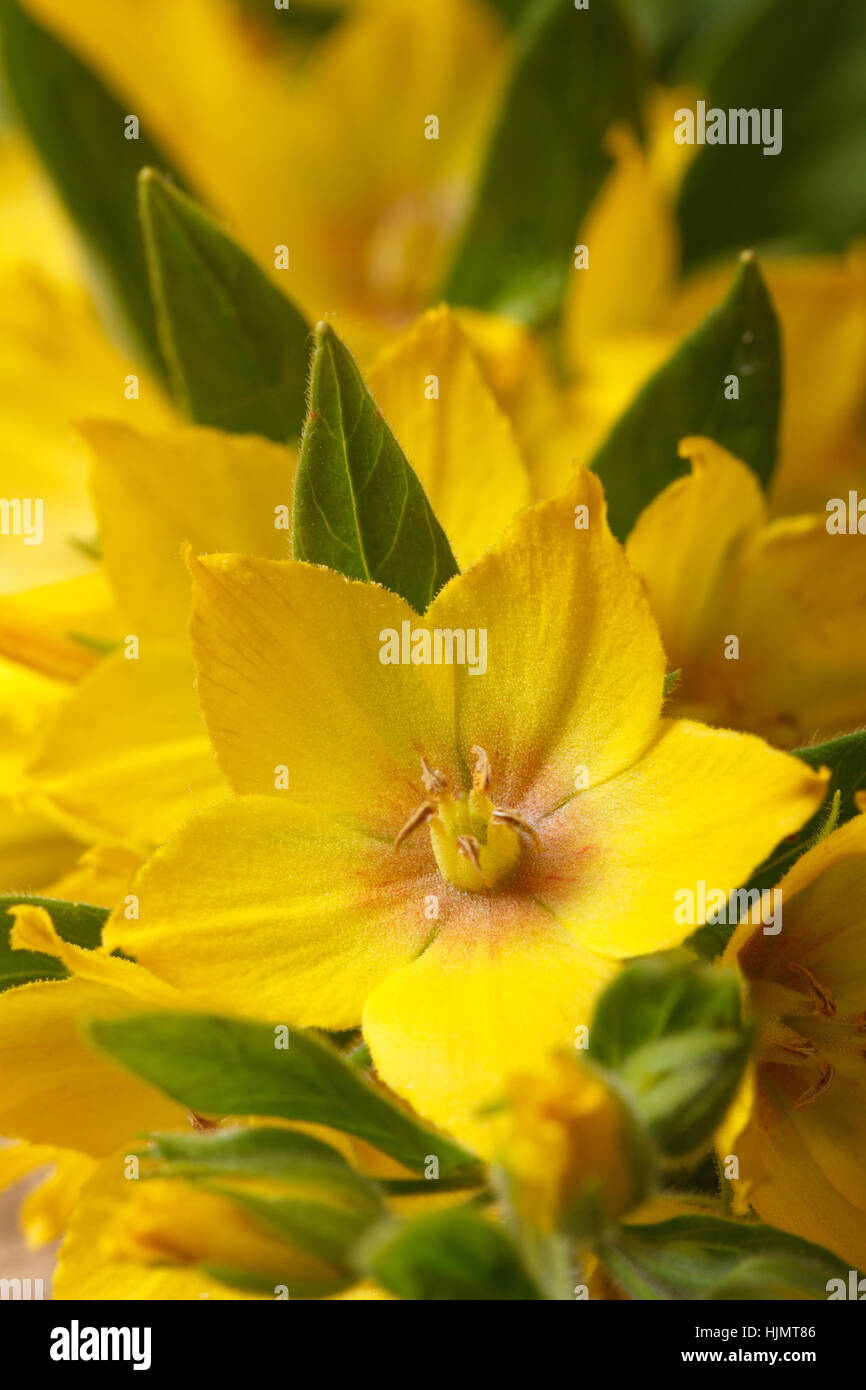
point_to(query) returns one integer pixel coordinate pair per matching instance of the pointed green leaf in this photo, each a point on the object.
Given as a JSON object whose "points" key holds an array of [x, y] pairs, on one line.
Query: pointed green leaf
{"points": [[575, 75], [687, 396], [222, 1066], [77, 127], [707, 1257], [79, 923], [359, 508], [846, 759], [448, 1255], [237, 350]]}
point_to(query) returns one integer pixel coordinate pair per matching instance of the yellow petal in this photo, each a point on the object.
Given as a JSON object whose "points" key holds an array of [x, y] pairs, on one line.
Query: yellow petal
{"points": [[791, 593], [701, 804], [44, 1212], [34, 228], [33, 851], [57, 1088], [91, 1267], [300, 646], [501, 986], [575, 665], [58, 629], [631, 237], [154, 492], [33, 930], [521, 375], [127, 758], [56, 364], [101, 876], [801, 674], [685, 543], [266, 908], [459, 443]]}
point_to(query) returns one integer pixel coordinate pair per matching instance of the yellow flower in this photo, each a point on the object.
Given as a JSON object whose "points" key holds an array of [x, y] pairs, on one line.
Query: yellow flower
{"points": [[468, 916], [96, 1262], [799, 1132], [571, 1150], [328, 157], [792, 595]]}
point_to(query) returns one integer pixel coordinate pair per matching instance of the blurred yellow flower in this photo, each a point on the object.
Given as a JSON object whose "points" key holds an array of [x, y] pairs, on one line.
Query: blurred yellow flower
{"points": [[789, 593], [572, 1151], [798, 1134]]}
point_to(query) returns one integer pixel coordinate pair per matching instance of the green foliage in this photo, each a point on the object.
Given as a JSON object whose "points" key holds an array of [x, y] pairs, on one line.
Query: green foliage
{"points": [[576, 72], [359, 508], [687, 396], [672, 1031], [222, 1066], [236, 349]]}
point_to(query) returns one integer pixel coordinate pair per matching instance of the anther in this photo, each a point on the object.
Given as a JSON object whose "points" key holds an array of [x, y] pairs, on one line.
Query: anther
{"points": [[523, 827], [822, 998], [468, 846], [481, 774], [419, 817], [824, 1082]]}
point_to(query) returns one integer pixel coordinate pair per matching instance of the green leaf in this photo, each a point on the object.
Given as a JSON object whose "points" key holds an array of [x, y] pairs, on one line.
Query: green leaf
{"points": [[77, 127], [257, 1152], [846, 759], [575, 74], [456, 1254], [806, 60], [359, 508], [222, 1066], [686, 396], [237, 350], [707, 1257], [671, 1029], [78, 923]]}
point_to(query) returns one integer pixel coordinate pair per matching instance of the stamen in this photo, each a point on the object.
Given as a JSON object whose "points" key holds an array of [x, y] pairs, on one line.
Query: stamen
{"points": [[822, 998], [804, 1048], [435, 782], [481, 774], [824, 1082], [419, 817], [504, 817], [200, 1122], [860, 1023], [468, 846]]}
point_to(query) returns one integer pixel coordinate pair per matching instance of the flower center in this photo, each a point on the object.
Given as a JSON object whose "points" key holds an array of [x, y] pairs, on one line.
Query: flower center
{"points": [[477, 845], [822, 1073]]}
